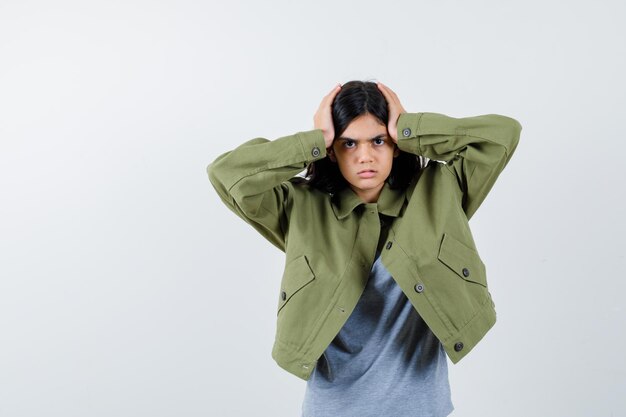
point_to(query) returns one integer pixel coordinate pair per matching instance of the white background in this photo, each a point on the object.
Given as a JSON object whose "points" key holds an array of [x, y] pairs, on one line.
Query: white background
{"points": [[128, 289]]}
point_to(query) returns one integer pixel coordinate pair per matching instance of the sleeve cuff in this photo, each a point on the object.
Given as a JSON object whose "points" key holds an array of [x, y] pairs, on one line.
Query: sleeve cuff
{"points": [[408, 128], [313, 145]]}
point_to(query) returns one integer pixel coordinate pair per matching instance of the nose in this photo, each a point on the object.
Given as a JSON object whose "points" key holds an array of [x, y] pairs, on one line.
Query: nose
{"points": [[364, 154]]}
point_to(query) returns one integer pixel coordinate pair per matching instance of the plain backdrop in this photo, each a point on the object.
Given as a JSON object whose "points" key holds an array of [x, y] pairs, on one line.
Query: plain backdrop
{"points": [[128, 289]]}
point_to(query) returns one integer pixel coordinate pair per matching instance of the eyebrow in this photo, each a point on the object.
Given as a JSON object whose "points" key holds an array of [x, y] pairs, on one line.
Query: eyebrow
{"points": [[382, 135]]}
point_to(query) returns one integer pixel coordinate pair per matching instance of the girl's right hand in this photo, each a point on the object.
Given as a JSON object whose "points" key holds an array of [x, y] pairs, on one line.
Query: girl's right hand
{"points": [[323, 118]]}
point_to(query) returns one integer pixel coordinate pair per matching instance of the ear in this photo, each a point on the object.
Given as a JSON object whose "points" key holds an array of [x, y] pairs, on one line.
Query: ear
{"points": [[331, 154], [396, 152]]}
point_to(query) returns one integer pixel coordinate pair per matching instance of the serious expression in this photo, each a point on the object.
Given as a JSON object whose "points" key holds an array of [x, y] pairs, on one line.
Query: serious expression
{"points": [[364, 153]]}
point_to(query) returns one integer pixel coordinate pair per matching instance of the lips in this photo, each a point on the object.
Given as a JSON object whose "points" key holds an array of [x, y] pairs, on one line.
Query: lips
{"points": [[366, 173]]}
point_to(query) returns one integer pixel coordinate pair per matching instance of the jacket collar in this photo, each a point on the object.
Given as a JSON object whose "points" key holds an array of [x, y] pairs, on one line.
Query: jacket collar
{"points": [[390, 202]]}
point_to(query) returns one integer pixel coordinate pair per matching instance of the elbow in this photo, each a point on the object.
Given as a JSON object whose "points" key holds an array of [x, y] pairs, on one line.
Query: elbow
{"points": [[515, 130], [215, 179], [509, 131], [211, 172]]}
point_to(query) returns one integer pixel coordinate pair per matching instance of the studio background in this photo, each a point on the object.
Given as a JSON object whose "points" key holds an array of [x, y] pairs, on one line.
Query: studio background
{"points": [[128, 289]]}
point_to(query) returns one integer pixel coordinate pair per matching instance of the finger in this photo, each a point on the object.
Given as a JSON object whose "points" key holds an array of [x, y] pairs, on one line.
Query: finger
{"points": [[392, 100], [386, 88], [382, 88], [388, 94], [330, 96]]}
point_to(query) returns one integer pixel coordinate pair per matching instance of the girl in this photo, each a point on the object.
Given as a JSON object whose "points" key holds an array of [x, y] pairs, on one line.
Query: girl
{"points": [[382, 280]]}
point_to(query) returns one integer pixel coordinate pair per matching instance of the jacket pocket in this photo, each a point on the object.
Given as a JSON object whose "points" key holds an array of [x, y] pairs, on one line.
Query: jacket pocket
{"points": [[297, 274], [463, 260]]}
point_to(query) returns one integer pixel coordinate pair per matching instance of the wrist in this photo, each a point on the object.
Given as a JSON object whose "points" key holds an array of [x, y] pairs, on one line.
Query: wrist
{"points": [[328, 139]]}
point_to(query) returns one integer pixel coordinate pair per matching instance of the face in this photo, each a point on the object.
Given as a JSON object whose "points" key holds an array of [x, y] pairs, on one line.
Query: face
{"points": [[364, 153]]}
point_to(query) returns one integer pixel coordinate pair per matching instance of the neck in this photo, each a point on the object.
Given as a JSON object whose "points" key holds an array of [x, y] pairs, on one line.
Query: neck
{"points": [[369, 196]]}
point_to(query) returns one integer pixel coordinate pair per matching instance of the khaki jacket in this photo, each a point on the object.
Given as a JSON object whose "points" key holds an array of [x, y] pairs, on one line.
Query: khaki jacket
{"points": [[330, 241]]}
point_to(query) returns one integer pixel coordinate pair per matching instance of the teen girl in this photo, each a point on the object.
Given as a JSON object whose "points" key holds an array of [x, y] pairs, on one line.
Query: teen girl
{"points": [[382, 280]]}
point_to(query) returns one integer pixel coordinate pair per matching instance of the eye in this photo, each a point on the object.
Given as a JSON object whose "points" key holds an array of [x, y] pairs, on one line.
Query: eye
{"points": [[379, 141], [348, 143]]}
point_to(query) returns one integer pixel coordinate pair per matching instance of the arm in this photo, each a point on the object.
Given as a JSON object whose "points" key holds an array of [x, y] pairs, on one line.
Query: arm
{"points": [[475, 149], [251, 179]]}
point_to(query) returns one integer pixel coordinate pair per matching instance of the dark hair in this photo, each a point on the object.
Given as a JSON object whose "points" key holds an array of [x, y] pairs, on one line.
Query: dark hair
{"points": [[357, 98]]}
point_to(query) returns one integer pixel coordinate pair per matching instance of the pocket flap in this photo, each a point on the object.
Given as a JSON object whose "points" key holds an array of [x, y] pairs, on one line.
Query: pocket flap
{"points": [[462, 259], [297, 274]]}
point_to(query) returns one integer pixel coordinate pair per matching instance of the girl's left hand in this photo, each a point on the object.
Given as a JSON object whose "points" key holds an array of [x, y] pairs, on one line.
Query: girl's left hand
{"points": [[395, 110]]}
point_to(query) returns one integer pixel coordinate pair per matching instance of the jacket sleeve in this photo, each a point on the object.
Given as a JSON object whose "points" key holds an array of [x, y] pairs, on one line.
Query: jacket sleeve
{"points": [[252, 179], [475, 149]]}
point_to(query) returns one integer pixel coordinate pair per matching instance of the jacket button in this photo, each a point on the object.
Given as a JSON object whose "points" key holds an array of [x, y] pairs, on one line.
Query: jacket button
{"points": [[389, 245], [406, 132], [315, 152], [419, 287], [465, 272], [458, 346], [283, 295]]}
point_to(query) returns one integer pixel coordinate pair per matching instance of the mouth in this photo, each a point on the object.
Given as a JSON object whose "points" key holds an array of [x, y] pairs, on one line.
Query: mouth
{"points": [[366, 173]]}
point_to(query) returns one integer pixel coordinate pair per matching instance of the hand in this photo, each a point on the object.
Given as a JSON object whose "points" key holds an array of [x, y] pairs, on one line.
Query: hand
{"points": [[323, 118], [395, 109]]}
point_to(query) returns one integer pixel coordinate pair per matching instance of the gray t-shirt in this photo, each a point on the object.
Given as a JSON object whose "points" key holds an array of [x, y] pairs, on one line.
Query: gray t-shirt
{"points": [[385, 361]]}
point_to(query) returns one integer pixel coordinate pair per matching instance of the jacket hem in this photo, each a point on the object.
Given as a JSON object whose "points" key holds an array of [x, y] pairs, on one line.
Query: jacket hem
{"points": [[471, 333], [292, 361]]}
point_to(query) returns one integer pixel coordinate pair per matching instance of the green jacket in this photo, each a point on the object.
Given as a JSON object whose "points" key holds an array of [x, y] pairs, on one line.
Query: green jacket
{"points": [[330, 241]]}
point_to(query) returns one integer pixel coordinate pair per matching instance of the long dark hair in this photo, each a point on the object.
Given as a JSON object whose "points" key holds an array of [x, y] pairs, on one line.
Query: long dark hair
{"points": [[355, 99]]}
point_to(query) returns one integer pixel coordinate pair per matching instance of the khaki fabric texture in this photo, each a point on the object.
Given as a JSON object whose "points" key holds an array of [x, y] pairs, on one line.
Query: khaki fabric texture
{"points": [[330, 241]]}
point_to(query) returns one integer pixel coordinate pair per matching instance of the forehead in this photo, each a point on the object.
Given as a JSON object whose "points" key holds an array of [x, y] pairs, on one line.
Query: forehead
{"points": [[364, 127]]}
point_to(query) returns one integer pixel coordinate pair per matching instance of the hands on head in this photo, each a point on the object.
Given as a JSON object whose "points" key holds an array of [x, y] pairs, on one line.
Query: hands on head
{"points": [[323, 118], [395, 110]]}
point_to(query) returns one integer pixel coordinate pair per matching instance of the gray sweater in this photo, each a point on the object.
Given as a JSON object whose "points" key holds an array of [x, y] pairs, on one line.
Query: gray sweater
{"points": [[385, 361]]}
